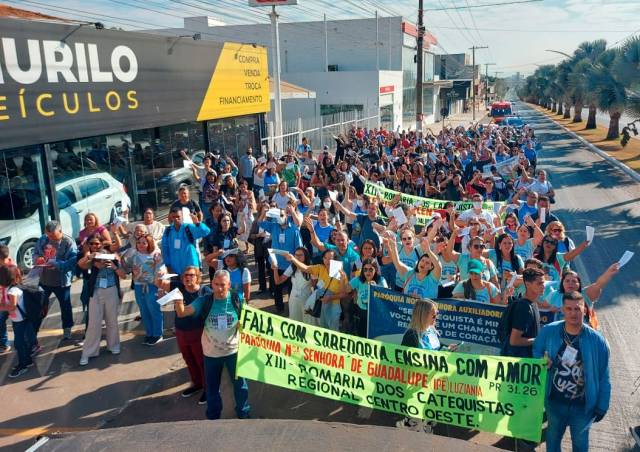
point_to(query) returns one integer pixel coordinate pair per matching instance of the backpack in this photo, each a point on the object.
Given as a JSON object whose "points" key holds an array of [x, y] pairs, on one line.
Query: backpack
{"points": [[208, 304], [34, 304], [469, 291], [187, 232], [504, 326]]}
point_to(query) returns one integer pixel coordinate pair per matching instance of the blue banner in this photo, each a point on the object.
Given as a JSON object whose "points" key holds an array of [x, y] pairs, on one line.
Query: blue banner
{"points": [[471, 322]]}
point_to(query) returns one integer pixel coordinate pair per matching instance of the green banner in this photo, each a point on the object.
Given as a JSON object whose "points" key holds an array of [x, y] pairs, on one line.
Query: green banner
{"points": [[424, 206], [489, 393]]}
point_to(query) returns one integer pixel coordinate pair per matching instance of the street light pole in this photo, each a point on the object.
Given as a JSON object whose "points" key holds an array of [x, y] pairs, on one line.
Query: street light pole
{"points": [[473, 82], [276, 80], [419, 68]]}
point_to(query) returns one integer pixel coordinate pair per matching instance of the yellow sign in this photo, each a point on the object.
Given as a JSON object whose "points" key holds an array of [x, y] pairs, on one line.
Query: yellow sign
{"points": [[239, 85]]}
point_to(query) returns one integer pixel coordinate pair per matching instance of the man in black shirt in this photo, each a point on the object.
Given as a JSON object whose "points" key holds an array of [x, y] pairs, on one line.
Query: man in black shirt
{"points": [[184, 200], [524, 322]]}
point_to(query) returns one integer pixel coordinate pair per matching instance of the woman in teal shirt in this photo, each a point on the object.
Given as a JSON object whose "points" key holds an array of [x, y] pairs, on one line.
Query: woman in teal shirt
{"points": [[369, 276], [422, 280]]}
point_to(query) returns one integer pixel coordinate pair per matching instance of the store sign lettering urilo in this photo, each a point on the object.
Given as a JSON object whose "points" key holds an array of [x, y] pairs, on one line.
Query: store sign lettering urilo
{"points": [[60, 82]]}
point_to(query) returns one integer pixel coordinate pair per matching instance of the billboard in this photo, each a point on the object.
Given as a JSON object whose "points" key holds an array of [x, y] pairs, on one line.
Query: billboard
{"points": [[59, 82]]}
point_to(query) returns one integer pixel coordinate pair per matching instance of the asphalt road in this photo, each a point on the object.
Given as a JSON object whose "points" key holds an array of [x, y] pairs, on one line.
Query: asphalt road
{"points": [[143, 384], [590, 191]]}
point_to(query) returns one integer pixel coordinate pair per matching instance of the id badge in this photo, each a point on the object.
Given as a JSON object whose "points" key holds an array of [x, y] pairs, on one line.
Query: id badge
{"points": [[225, 244], [102, 283], [281, 238], [433, 341], [569, 356], [176, 244], [221, 322]]}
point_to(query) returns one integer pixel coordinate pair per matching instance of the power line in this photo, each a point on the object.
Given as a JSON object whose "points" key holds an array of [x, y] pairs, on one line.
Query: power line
{"points": [[484, 5], [520, 30]]}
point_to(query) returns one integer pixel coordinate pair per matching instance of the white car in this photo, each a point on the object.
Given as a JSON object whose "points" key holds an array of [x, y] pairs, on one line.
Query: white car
{"points": [[99, 193]]}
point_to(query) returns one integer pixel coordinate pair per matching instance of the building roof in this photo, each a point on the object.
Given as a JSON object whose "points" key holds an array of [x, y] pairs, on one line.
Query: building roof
{"points": [[9, 12], [290, 91]]}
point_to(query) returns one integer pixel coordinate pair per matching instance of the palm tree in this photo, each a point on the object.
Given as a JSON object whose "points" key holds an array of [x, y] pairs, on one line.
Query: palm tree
{"points": [[628, 69], [590, 51], [577, 86], [609, 91]]}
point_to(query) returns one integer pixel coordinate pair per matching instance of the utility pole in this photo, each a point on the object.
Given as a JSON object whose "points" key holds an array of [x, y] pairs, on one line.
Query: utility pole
{"points": [[419, 69], [473, 81], [486, 78], [276, 80], [496, 76]]}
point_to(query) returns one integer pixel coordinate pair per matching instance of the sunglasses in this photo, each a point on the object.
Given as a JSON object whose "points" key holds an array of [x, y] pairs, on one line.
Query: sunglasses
{"points": [[406, 238], [368, 269], [550, 242], [556, 230], [190, 275], [478, 246], [474, 224]]}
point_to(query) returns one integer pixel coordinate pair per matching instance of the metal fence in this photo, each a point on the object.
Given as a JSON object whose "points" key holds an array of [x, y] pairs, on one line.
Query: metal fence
{"points": [[319, 130]]}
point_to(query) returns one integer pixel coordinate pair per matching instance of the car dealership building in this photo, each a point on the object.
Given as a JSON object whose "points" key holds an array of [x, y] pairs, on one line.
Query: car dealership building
{"points": [[88, 114]]}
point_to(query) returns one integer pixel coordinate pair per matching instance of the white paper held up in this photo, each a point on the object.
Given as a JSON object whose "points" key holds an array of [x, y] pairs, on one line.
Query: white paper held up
{"points": [[175, 294], [168, 276], [334, 269], [399, 215], [543, 215], [590, 234], [187, 163], [186, 216], [626, 257]]}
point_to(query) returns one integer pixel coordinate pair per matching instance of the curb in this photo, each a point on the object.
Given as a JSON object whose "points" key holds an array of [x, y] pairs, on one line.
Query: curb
{"points": [[618, 164]]}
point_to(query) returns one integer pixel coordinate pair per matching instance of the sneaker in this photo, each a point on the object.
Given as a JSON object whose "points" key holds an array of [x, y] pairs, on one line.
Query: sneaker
{"points": [[410, 424], [635, 432], [84, 361], [146, 340], [191, 390], [36, 349], [17, 371], [5, 349], [203, 399], [115, 351], [67, 334], [153, 341]]}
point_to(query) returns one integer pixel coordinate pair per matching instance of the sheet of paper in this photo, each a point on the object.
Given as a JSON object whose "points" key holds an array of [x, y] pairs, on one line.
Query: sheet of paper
{"points": [[498, 230], [228, 252], [275, 251], [175, 294], [590, 233], [334, 269], [626, 257], [399, 215], [348, 178], [512, 281], [103, 256], [168, 276], [333, 195], [496, 207], [272, 257], [187, 163], [543, 215], [274, 212], [448, 283], [186, 216]]}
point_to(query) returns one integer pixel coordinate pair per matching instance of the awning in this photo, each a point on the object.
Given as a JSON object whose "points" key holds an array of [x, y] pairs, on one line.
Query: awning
{"points": [[290, 91]]}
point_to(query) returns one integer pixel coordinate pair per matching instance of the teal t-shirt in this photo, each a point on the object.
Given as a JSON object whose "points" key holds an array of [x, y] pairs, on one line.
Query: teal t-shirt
{"points": [[220, 334], [449, 271], [409, 259], [483, 295], [362, 290], [425, 288], [349, 258], [488, 269], [505, 265], [524, 251]]}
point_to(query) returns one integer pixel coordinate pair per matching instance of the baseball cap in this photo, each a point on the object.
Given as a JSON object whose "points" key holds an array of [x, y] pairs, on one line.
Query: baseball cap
{"points": [[474, 266]]}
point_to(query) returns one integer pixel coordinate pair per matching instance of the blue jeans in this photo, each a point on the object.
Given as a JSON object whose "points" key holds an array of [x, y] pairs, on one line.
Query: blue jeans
{"points": [[152, 317], [24, 338], [562, 415], [63, 294], [4, 337], [212, 374]]}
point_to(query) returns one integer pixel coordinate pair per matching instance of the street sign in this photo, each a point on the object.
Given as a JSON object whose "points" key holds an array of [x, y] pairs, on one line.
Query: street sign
{"points": [[272, 2]]}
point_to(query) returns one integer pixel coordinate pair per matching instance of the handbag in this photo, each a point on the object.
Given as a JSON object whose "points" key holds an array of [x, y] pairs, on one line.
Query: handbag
{"points": [[317, 305]]}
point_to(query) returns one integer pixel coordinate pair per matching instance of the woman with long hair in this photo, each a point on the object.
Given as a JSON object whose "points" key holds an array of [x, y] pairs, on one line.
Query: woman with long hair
{"points": [[528, 238], [555, 229], [145, 264], [92, 227], [422, 280], [220, 240], [553, 260], [360, 285], [245, 208], [240, 276], [475, 249], [505, 259], [301, 286], [260, 241]]}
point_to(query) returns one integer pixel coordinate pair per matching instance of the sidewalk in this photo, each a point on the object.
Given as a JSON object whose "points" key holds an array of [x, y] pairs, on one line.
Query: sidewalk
{"points": [[629, 155], [460, 119]]}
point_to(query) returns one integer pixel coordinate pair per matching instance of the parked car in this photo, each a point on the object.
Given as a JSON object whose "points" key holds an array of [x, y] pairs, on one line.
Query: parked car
{"points": [[168, 184], [513, 121], [20, 228]]}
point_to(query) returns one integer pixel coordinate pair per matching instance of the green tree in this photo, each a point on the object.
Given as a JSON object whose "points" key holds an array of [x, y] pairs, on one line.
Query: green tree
{"points": [[585, 56], [604, 80]]}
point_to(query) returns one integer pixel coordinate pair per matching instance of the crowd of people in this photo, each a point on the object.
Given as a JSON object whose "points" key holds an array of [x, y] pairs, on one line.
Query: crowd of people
{"points": [[316, 238]]}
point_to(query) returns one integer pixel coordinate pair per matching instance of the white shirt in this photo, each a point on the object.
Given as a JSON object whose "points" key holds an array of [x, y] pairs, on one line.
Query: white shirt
{"points": [[469, 214], [541, 188], [16, 315]]}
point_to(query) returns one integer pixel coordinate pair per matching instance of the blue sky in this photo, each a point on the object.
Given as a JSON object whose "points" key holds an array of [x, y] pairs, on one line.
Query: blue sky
{"points": [[517, 35]]}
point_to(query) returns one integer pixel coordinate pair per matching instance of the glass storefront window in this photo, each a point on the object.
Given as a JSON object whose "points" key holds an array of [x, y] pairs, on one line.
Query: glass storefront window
{"points": [[230, 136], [24, 202]]}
